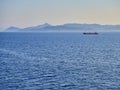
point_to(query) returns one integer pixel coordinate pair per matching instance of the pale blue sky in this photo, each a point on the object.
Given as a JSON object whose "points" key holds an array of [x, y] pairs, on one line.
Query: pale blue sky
{"points": [[24, 13]]}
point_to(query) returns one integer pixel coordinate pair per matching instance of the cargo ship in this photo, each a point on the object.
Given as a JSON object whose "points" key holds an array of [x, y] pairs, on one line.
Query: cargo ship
{"points": [[90, 33]]}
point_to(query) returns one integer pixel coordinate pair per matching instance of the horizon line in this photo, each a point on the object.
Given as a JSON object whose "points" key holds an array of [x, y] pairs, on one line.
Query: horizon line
{"points": [[55, 24]]}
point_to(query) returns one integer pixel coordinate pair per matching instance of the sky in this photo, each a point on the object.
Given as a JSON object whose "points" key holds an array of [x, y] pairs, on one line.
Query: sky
{"points": [[24, 13]]}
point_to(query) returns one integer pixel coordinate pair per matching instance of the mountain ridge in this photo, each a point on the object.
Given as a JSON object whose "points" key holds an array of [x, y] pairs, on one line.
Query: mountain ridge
{"points": [[66, 27]]}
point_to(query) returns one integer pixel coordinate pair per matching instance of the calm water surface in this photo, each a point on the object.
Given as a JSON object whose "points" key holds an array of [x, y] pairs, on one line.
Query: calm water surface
{"points": [[59, 61]]}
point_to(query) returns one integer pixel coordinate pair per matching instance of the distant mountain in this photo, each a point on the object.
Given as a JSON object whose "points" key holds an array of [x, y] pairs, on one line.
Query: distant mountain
{"points": [[36, 28], [12, 29], [67, 27]]}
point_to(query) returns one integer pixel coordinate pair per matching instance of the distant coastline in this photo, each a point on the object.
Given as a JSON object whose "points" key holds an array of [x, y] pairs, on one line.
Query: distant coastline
{"points": [[71, 27]]}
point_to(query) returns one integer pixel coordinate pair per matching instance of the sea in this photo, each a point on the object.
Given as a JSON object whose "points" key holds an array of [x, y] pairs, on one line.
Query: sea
{"points": [[59, 61]]}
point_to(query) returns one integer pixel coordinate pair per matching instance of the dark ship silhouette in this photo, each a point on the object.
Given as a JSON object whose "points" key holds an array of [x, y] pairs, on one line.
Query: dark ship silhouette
{"points": [[90, 33]]}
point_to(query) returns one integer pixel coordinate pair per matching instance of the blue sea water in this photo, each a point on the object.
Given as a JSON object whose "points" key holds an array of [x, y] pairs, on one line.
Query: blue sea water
{"points": [[59, 61]]}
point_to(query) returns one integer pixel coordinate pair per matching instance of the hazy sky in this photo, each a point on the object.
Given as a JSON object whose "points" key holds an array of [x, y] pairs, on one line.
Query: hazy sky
{"points": [[24, 13]]}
